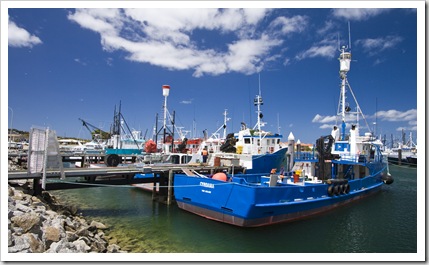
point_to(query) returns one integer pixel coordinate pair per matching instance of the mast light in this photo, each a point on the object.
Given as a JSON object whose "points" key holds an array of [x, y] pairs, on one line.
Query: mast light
{"points": [[165, 90]]}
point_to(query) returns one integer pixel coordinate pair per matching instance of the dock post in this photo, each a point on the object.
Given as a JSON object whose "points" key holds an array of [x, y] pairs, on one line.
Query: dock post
{"points": [[154, 188], [290, 151], [170, 182], [399, 156], [37, 189]]}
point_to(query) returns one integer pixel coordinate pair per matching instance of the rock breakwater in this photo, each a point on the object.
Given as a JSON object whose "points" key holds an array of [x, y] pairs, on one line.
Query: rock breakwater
{"points": [[39, 224]]}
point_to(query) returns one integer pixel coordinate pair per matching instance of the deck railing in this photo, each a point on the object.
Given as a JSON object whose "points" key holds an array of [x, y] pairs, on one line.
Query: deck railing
{"points": [[305, 156]]}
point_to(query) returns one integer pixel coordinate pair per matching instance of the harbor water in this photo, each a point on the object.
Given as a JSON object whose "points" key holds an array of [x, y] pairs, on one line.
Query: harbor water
{"points": [[385, 222]]}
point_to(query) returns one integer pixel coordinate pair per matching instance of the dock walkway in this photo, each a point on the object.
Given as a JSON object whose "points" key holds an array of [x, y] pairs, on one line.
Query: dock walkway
{"points": [[122, 175]]}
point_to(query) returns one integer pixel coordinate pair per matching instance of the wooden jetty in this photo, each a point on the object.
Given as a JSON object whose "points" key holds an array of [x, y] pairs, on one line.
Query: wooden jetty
{"points": [[163, 177], [45, 164], [81, 159]]}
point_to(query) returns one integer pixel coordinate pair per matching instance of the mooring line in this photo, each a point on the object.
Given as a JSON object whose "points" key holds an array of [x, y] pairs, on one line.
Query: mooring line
{"points": [[130, 186]]}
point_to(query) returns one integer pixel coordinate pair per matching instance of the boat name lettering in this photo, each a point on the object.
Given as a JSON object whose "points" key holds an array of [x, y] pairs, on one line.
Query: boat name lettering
{"points": [[207, 185]]}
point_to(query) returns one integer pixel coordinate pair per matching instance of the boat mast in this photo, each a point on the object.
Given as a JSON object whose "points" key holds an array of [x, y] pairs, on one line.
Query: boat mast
{"points": [[225, 120], [258, 102], [345, 58], [223, 126], [165, 93]]}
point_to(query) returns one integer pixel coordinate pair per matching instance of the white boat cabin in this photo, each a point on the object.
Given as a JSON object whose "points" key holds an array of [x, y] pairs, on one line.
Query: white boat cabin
{"points": [[355, 147], [257, 142]]}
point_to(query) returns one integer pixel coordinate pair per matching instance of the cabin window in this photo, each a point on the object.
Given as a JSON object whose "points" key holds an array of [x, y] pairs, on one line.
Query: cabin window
{"points": [[268, 141], [273, 141], [247, 140], [185, 159], [278, 141]]}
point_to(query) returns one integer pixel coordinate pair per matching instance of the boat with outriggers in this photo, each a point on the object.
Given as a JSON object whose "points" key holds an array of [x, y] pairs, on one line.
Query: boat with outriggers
{"points": [[344, 168]]}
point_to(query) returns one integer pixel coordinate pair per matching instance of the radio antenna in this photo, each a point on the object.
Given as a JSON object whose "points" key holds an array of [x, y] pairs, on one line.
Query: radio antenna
{"points": [[338, 40], [350, 39]]}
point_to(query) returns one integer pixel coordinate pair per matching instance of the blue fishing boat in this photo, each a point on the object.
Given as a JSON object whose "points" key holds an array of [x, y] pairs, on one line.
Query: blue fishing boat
{"points": [[121, 143], [345, 168]]}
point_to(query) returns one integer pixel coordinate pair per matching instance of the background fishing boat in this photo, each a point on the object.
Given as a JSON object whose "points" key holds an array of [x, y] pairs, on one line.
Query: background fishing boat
{"points": [[257, 150], [403, 152]]}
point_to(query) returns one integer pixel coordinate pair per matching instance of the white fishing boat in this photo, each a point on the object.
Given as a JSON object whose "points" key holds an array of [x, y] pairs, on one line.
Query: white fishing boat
{"points": [[68, 146], [256, 150]]}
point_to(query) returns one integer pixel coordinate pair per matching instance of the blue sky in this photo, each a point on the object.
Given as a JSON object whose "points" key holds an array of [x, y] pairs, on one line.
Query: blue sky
{"points": [[66, 63]]}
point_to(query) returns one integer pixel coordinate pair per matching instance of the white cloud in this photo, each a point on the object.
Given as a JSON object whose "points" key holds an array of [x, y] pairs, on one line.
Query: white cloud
{"points": [[79, 61], [329, 25], [290, 25], [109, 61], [328, 122], [286, 61], [19, 37], [244, 55], [408, 116], [165, 37], [375, 46], [186, 102], [324, 119], [99, 20], [326, 126], [357, 14], [413, 122], [396, 115], [325, 48], [378, 61], [406, 128]]}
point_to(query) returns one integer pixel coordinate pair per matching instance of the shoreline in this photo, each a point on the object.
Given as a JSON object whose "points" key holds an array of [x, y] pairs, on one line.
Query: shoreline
{"points": [[42, 224]]}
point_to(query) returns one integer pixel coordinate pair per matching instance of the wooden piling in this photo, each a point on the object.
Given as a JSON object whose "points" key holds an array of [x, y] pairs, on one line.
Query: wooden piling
{"points": [[37, 188], [154, 195], [170, 187]]}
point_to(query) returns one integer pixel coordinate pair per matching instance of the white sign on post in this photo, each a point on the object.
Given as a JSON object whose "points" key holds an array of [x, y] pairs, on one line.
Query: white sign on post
{"points": [[43, 153]]}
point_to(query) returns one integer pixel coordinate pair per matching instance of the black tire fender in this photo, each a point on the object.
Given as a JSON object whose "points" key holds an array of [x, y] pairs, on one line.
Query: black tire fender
{"points": [[330, 191], [112, 160]]}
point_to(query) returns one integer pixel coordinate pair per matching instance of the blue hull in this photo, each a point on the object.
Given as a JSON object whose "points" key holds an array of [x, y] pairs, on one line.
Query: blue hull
{"points": [[123, 151], [239, 202], [264, 163]]}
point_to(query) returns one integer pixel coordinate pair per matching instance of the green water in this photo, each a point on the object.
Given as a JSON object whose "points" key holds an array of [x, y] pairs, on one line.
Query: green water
{"points": [[383, 223]]}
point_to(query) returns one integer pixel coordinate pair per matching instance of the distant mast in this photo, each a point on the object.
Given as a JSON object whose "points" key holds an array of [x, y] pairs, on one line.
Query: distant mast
{"points": [[225, 120]]}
